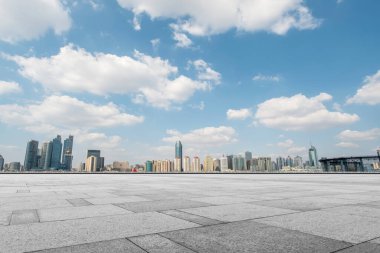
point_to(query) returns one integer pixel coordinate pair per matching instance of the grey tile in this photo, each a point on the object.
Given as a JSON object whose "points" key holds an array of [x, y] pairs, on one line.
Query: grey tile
{"points": [[360, 210], [23, 191], [161, 205], [68, 213], [5, 218], [56, 234], [24, 217], [118, 245], [236, 212], [362, 248], [249, 236], [114, 200], [223, 200], [158, 244], [191, 217], [79, 202], [345, 227]]}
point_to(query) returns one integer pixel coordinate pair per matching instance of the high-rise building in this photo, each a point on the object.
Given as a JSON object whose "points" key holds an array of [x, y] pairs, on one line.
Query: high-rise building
{"points": [[313, 157], [265, 164], [96, 153], [223, 163], [208, 164], [297, 162], [56, 153], [248, 160], [101, 163], [178, 154], [280, 163], [217, 164], [177, 164], [238, 163], [196, 164], [14, 166], [289, 161], [46, 151], [67, 153], [31, 161], [91, 164], [149, 166], [255, 164], [1, 162], [120, 166], [230, 162], [187, 164]]}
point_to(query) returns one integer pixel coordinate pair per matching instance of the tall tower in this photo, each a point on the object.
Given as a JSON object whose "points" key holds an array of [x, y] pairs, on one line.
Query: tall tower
{"points": [[1, 163], [178, 154], [30, 161], [46, 155], [56, 152], [313, 156], [67, 154]]}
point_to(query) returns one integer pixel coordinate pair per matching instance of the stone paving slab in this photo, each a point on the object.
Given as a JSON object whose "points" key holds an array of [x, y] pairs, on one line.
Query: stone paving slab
{"points": [[79, 212], [338, 226], [118, 245], [362, 248], [34, 204], [191, 217], [115, 200], [365, 211], [158, 244], [38, 236], [223, 200], [24, 217], [79, 202], [250, 236], [237, 212], [5, 218], [161, 205]]}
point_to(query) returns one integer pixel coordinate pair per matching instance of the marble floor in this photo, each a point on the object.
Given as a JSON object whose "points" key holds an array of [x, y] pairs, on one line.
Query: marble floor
{"points": [[189, 213]]}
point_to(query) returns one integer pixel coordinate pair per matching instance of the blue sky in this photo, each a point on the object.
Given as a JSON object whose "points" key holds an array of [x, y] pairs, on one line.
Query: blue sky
{"points": [[131, 77]]}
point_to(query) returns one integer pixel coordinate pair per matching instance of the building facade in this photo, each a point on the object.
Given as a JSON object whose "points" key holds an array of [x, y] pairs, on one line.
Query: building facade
{"points": [[31, 159], [178, 154]]}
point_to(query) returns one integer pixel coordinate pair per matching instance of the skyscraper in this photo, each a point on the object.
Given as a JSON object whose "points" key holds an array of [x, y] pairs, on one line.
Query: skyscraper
{"points": [[30, 161], [196, 164], [297, 162], [280, 162], [178, 154], [56, 153], [248, 160], [91, 164], [67, 154], [46, 155], [223, 163], [187, 164], [96, 153], [208, 164], [1, 162], [313, 156], [217, 164], [289, 161]]}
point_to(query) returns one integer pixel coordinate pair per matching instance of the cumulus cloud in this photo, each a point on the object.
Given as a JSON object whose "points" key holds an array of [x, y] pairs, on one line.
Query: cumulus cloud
{"points": [[261, 77], [155, 43], [205, 72], [369, 93], [68, 115], [239, 114], [208, 136], [27, 20], [352, 135], [286, 144], [301, 113], [344, 144], [151, 79], [291, 147], [182, 40], [204, 18], [9, 87]]}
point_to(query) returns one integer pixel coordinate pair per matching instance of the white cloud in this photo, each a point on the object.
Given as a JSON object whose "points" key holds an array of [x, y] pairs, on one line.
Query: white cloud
{"points": [[68, 113], [27, 20], [182, 40], [351, 135], [154, 80], [260, 77], [201, 106], [203, 18], [369, 93], [155, 43], [291, 147], [9, 87], [346, 145], [240, 114], [286, 144], [205, 72], [301, 113], [208, 136]]}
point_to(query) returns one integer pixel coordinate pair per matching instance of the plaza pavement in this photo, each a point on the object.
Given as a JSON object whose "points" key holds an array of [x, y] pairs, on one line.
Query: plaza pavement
{"points": [[189, 213]]}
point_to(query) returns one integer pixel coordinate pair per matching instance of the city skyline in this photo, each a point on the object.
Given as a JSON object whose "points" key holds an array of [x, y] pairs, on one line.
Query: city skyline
{"points": [[131, 83]]}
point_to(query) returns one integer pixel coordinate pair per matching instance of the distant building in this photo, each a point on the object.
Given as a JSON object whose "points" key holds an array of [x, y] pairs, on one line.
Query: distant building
{"points": [[217, 164], [265, 164], [280, 163], [91, 164], [149, 166], [208, 164], [178, 154], [67, 153], [14, 166], [223, 163], [255, 164], [248, 160], [31, 160], [238, 163], [187, 164], [313, 157], [289, 161], [350, 164], [196, 164], [230, 162], [177, 164], [1, 163], [56, 153], [46, 151], [96, 153], [120, 166], [297, 162]]}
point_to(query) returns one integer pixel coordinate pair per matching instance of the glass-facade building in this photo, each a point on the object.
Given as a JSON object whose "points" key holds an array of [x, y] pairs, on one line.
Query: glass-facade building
{"points": [[56, 153], [31, 153], [313, 156], [178, 153]]}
